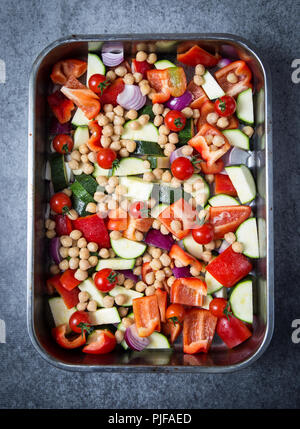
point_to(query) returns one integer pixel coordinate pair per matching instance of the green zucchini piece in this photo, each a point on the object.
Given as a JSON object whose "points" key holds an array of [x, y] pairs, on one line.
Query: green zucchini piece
{"points": [[88, 183], [187, 133], [147, 110], [58, 172], [144, 147], [80, 198]]}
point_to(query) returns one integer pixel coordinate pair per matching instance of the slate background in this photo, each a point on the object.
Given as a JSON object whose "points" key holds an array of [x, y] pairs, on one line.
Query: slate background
{"points": [[26, 27]]}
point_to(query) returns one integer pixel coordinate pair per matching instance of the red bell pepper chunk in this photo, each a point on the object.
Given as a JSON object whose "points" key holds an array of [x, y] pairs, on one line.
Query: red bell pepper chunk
{"points": [[60, 106], [199, 143], [103, 342], [63, 225], [185, 258], [209, 107], [214, 168], [188, 291], [227, 218], [162, 299], [223, 185], [243, 73], [197, 55], [93, 229], [59, 334], [168, 82], [229, 267], [199, 96], [172, 330], [70, 297], [68, 280], [182, 211], [111, 93], [83, 97], [140, 67], [146, 315], [94, 143], [199, 327], [62, 70], [232, 331]]}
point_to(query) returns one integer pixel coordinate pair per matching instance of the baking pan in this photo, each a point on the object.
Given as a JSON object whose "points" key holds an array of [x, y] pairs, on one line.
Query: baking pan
{"points": [[219, 359]]}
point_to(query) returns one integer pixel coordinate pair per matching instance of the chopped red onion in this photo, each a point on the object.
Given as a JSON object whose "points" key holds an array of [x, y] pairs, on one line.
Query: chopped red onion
{"points": [[133, 340], [181, 272], [58, 128], [179, 103], [155, 238], [112, 53], [131, 98], [223, 62], [54, 250], [129, 274]]}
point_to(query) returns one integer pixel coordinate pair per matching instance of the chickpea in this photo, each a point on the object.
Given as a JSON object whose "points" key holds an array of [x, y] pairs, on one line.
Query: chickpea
{"points": [[248, 131], [81, 275], [164, 130], [123, 311], [144, 119], [156, 253], [115, 235], [93, 261], [218, 141], [166, 177], [118, 120], [187, 112], [162, 140], [194, 272], [50, 224], [131, 146], [66, 241], [131, 114], [111, 253], [200, 69], [120, 299], [104, 253], [73, 252], [165, 259], [145, 89], [128, 79], [150, 290], [50, 233], [148, 176], [210, 246], [188, 187], [155, 264], [170, 281], [212, 118], [81, 243], [92, 157], [160, 275], [83, 296], [121, 71], [54, 269], [157, 109], [178, 263], [127, 321], [158, 120], [120, 279], [138, 77], [176, 183], [176, 225], [139, 236], [124, 153], [140, 286], [147, 257], [111, 75], [81, 306], [206, 256], [137, 271], [135, 125], [222, 123], [105, 141], [168, 271], [119, 336], [230, 237], [209, 139], [64, 252], [91, 208], [141, 56], [196, 113], [128, 284], [237, 247], [103, 120], [108, 301], [102, 180], [149, 278], [152, 58], [173, 138], [232, 78], [166, 110], [75, 155], [164, 230], [84, 253], [116, 146], [198, 80], [108, 130]]}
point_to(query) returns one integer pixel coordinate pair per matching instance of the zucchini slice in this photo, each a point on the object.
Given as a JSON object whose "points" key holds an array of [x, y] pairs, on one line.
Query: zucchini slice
{"points": [[144, 147], [244, 107], [237, 139], [241, 301], [130, 294], [61, 314], [95, 66], [223, 200], [130, 167], [115, 264], [247, 235], [243, 181], [104, 316], [128, 249], [58, 172], [147, 132]]}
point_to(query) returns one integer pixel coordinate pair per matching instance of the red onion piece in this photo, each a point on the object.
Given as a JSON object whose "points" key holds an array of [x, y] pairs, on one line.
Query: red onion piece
{"points": [[181, 272], [112, 53], [155, 238], [54, 250], [179, 103], [223, 62], [177, 154], [129, 275], [131, 98], [224, 246], [58, 128], [133, 340]]}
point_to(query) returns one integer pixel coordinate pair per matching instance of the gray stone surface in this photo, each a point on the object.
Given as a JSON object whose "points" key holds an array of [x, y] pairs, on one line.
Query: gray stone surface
{"points": [[26, 27]]}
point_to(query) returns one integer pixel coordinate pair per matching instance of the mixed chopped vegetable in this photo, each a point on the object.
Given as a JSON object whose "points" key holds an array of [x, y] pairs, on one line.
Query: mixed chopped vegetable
{"points": [[150, 230]]}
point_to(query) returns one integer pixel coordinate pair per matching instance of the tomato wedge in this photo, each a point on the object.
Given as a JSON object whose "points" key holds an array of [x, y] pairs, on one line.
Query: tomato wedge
{"points": [[146, 315], [197, 55], [199, 143], [83, 97], [227, 218], [243, 73], [100, 342], [229, 267], [223, 185], [188, 291], [209, 107], [70, 297], [62, 70], [199, 327], [232, 331], [162, 299], [111, 93]]}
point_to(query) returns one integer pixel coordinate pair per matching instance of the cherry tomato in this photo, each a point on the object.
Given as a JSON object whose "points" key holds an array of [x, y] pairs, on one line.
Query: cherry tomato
{"points": [[225, 106], [175, 313], [105, 280], [204, 234], [182, 168], [63, 143], [106, 157], [175, 120], [77, 318], [60, 203], [97, 83], [138, 210], [219, 307]]}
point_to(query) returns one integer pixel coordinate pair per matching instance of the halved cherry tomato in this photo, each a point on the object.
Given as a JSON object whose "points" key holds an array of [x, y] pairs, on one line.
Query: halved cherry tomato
{"points": [[225, 106], [175, 313], [182, 168], [79, 321], [98, 82], [94, 142], [63, 143], [103, 341], [111, 93], [105, 280], [140, 67], [219, 307], [106, 157], [59, 334], [63, 225], [138, 210], [204, 234], [215, 168], [60, 202], [175, 120]]}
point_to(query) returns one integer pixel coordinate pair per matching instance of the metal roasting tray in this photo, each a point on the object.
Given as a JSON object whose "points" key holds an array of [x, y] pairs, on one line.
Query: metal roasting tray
{"points": [[219, 359]]}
